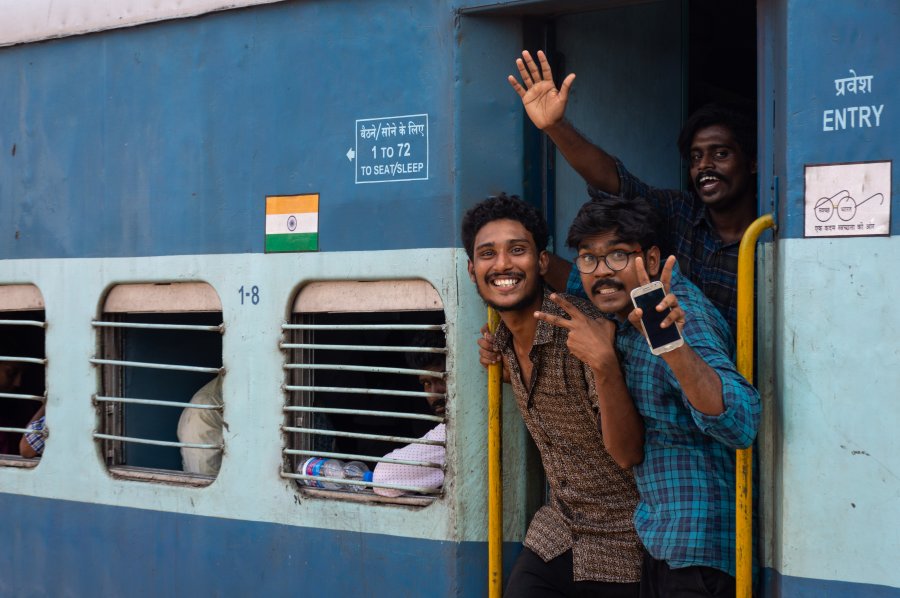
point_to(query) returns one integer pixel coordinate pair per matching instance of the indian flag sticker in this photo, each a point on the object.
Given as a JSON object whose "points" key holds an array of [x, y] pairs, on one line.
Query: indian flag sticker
{"points": [[292, 223]]}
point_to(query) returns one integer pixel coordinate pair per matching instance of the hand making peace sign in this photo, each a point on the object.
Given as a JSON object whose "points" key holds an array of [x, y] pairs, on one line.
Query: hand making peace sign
{"points": [[677, 316], [591, 341]]}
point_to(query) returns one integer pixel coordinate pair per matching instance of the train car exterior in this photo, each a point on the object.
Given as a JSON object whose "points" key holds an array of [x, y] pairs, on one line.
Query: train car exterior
{"points": [[148, 154]]}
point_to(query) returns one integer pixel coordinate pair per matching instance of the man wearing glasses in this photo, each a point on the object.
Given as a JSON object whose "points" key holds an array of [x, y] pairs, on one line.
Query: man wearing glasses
{"points": [[696, 408]]}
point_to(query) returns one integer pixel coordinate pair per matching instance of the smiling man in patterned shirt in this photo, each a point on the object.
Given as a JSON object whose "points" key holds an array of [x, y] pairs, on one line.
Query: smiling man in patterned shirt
{"points": [[582, 543], [696, 407]]}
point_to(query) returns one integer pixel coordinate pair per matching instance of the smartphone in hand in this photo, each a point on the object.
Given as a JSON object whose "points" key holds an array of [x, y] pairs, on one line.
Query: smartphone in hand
{"points": [[661, 340]]}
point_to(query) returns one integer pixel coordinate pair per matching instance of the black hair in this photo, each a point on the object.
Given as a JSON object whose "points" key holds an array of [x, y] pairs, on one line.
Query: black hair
{"points": [[422, 360], [503, 207], [633, 220], [741, 124]]}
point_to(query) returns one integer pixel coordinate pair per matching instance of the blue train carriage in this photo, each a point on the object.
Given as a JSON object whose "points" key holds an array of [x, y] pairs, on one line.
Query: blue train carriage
{"points": [[142, 260], [144, 167]]}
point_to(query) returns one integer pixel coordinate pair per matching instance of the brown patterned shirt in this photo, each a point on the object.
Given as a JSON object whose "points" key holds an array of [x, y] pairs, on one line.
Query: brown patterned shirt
{"points": [[592, 499]]}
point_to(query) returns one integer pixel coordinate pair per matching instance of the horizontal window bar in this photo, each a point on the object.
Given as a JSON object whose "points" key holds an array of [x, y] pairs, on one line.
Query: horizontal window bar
{"points": [[400, 415], [43, 432], [36, 323], [360, 436], [158, 366], [363, 391], [351, 457], [9, 359], [12, 395], [361, 368], [159, 442], [155, 402], [342, 481], [217, 328], [364, 348], [362, 327]]}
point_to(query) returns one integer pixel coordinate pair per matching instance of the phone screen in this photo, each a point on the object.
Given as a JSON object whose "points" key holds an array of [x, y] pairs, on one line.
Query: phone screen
{"points": [[652, 319]]}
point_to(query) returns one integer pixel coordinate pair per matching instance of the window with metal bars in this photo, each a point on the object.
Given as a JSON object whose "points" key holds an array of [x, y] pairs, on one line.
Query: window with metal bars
{"points": [[23, 429], [365, 370], [160, 405]]}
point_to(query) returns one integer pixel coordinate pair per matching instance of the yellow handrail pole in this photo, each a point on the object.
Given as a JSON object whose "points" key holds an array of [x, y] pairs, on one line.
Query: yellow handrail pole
{"points": [[744, 457], [495, 480]]}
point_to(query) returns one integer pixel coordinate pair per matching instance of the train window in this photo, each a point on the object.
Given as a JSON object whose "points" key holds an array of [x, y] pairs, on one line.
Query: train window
{"points": [[160, 405], [22, 377], [366, 369]]}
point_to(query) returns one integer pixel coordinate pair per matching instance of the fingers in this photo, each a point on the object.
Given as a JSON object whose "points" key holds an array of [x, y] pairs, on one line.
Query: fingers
{"points": [[532, 66], [554, 320], [527, 80], [666, 277], [675, 317], [643, 277], [546, 73], [635, 318], [564, 303], [487, 355], [566, 85], [515, 85]]}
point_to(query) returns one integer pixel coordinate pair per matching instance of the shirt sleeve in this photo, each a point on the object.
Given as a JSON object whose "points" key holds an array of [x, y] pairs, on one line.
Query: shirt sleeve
{"points": [[413, 475], [736, 427], [34, 436], [666, 201]]}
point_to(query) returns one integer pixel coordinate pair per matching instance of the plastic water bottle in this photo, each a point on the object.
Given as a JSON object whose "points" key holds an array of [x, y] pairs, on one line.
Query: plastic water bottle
{"points": [[334, 468], [357, 470], [321, 467]]}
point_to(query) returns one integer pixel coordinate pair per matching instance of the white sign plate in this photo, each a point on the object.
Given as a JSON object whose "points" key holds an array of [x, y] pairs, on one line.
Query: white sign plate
{"points": [[848, 200]]}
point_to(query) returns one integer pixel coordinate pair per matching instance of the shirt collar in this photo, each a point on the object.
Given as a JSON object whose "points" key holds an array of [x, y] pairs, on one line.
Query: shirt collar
{"points": [[702, 217], [543, 334]]}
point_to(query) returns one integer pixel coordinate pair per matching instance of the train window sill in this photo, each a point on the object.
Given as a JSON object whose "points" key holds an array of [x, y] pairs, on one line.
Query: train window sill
{"points": [[160, 476], [369, 497], [14, 461]]}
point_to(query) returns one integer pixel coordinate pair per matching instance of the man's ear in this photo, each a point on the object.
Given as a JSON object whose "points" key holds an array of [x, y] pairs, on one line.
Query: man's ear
{"points": [[543, 263], [651, 259], [471, 271]]}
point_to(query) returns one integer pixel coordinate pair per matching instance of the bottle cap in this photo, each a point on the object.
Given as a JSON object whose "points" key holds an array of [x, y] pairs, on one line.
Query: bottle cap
{"points": [[367, 477]]}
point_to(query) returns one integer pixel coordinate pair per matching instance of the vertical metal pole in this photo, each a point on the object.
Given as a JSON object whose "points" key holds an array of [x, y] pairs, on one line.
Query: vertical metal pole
{"points": [[744, 457], [495, 479]]}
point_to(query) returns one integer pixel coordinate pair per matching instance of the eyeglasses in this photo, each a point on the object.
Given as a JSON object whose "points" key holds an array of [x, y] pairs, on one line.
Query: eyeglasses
{"points": [[614, 260]]}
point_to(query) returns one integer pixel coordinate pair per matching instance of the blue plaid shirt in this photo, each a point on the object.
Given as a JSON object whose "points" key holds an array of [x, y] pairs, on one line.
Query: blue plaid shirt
{"points": [[686, 515], [704, 259]]}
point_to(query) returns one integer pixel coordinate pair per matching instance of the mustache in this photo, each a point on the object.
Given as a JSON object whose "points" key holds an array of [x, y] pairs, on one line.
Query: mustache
{"points": [[439, 405], [613, 284]]}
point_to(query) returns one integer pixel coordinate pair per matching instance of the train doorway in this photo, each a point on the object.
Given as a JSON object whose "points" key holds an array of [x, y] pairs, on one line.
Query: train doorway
{"points": [[642, 68]]}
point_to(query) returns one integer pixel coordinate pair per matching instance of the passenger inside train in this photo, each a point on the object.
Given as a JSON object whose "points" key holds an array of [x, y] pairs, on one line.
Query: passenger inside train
{"points": [[202, 426], [354, 392], [416, 475], [32, 443]]}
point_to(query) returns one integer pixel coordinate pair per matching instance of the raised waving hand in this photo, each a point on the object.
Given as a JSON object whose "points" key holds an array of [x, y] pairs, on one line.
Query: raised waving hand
{"points": [[544, 103]]}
